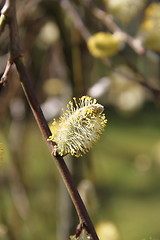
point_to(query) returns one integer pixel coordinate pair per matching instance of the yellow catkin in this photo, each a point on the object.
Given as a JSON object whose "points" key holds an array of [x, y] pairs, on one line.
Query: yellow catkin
{"points": [[79, 127], [104, 44]]}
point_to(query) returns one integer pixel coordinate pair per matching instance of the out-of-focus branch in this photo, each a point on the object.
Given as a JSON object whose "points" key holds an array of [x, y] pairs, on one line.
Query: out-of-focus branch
{"points": [[135, 44], [134, 79], [67, 6], [15, 51], [155, 91], [108, 21]]}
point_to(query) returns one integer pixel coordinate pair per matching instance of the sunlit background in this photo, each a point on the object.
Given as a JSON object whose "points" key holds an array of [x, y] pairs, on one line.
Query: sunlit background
{"points": [[119, 179]]}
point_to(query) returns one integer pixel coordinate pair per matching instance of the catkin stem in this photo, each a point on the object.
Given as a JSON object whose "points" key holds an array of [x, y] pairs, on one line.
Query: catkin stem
{"points": [[41, 121]]}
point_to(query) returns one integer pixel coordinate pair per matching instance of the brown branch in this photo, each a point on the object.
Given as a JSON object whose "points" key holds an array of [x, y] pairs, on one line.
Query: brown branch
{"points": [[41, 121]]}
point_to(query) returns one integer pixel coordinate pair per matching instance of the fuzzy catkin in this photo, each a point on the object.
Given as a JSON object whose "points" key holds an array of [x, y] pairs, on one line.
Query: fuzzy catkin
{"points": [[79, 127]]}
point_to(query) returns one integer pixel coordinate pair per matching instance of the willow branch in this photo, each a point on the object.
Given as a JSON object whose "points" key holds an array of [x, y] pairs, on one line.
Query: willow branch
{"points": [[135, 44], [16, 56]]}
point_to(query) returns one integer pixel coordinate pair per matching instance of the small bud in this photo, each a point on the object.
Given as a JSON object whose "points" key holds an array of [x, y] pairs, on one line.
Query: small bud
{"points": [[79, 127]]}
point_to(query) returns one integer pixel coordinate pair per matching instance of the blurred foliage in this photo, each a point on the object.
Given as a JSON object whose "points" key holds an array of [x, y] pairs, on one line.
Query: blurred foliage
{"points": [[107, 230], [119, 179], [149, 28], [125, 10]]}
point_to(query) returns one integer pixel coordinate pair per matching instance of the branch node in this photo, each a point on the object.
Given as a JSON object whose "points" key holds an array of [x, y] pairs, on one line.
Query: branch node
{"points": [[79, 228]]}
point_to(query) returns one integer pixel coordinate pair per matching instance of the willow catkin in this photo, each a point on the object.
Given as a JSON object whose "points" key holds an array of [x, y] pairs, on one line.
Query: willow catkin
{"points": [[79, 127], [104, 44]]}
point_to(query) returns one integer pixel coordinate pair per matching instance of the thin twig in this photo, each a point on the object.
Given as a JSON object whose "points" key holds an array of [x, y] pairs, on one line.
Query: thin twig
{"points": [[3, 16], [134, 79], [155, 91], [6, 72], [41, 121], [2, 23]]}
